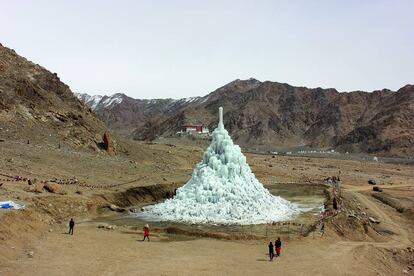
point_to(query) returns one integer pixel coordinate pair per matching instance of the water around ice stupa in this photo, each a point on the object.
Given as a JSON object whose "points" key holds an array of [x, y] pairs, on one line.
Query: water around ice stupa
{"points": [[222, 190]]}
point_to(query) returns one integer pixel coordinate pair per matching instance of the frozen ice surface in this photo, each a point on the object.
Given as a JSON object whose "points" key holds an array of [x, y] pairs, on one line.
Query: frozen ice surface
{"points": [[222, 190]]}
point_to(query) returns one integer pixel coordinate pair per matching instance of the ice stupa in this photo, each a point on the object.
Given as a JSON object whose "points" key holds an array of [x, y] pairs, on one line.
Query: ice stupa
{"points": [[222, 190]]}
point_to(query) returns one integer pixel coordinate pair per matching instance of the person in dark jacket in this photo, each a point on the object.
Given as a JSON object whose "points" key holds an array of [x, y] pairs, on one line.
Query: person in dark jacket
{"points": [[278, 246], [71, 226], [271, 251], [335, 203]]}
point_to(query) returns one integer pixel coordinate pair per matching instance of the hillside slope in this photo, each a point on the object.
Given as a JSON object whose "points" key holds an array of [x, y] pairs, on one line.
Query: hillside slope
{"points": [[35, 106]]}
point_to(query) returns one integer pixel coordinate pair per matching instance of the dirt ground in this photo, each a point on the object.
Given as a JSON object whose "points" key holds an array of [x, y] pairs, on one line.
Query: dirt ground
{"points": [[34, 241]]}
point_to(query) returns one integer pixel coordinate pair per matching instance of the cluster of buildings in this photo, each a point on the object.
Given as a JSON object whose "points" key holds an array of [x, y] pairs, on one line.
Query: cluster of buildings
{"points": [[194, 129]]}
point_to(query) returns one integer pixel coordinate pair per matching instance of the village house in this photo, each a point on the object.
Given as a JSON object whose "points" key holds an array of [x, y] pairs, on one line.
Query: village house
{"points": [[199, 129]]}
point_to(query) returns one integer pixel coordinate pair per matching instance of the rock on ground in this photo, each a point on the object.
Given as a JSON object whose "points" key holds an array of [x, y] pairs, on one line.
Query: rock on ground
{"points": [[53, 188], [108, 143]]}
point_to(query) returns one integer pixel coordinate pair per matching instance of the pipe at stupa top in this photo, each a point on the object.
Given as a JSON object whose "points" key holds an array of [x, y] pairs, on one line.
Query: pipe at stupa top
{"points": [[221, 124]]}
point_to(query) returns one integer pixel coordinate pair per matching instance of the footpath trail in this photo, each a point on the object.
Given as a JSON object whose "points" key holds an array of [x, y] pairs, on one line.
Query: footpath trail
{"points": [[400, 239], [369, 187], [342, 257]]}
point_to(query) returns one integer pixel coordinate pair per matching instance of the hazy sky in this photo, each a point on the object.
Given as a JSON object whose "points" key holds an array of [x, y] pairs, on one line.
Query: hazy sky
{"points": [[157, 49]]}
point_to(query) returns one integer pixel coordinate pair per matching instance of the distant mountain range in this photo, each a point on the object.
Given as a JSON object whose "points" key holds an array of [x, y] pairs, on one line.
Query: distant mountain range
{"points": [[35, 105], [273, 115], [126, 115]]}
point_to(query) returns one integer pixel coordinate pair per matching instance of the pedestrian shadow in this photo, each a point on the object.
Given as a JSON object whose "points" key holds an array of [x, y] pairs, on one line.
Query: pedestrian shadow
{"points": [[130, 232], [262, 260]]}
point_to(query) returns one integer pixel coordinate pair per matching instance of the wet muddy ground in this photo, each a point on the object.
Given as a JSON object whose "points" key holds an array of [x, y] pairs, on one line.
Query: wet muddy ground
{"points": [[309, 197]]}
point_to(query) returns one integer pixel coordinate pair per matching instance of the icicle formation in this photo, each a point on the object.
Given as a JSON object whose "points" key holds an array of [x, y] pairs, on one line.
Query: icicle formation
{"points": [[223, 190]]}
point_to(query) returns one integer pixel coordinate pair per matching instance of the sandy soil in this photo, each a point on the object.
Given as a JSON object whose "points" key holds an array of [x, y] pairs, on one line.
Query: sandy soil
{"points": [[350, 246], [93, 252]]}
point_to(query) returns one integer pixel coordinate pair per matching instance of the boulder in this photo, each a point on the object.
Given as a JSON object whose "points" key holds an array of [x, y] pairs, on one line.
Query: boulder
{"points": [[108, 144], [110, 227], [373, 220], [106, 226], [372, 182], [53, 188], [115, 208], [352, 215], [38, 187], [376, 189]]}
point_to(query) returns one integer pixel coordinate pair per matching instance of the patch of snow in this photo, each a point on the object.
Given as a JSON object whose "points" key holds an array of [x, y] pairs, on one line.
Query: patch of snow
{"points": [[222, 190], [91, 101], [94, 101], [204, 99], [190, 99], [110, 101]]}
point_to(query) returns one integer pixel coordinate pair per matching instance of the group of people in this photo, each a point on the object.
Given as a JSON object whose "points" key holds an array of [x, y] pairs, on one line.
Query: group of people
{"points": [[337, 204], [332, 179], [274, 250], [276, 247]]}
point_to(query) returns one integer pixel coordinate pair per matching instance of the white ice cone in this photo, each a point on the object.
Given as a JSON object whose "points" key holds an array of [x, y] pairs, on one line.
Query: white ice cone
{"points": [[223, 190]]}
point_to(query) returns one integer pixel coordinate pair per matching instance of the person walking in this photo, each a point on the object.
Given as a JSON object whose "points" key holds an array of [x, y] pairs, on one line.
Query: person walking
{"points": [[71, 226], [278, 245], [335, 203], [146, 232], [271, 251]]}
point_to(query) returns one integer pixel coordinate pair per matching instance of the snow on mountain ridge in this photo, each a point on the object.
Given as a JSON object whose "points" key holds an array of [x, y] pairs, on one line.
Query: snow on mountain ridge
{"points": [[91, 101], [99, 101], [112, 100]]}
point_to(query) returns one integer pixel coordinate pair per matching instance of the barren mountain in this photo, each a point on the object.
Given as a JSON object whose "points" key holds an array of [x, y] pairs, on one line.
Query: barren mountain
{"points": [[270, 114], [124, 114], [35, 106]]}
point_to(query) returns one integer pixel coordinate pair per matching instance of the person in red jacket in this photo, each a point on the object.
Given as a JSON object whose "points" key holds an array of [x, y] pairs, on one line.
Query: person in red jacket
{"points": [[146, 232], [278, 246]]}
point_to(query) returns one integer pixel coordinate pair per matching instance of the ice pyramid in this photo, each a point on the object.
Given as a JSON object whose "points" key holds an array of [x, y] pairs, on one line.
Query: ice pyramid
{"points": [[222, 190]]}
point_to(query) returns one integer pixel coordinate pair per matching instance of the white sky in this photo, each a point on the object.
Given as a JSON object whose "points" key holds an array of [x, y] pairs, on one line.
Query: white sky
{"points": [[159, 49]]}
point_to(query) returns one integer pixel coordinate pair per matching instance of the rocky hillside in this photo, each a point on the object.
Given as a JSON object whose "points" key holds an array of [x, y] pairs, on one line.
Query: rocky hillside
{"points": [[270, 114], [36, 107]]}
